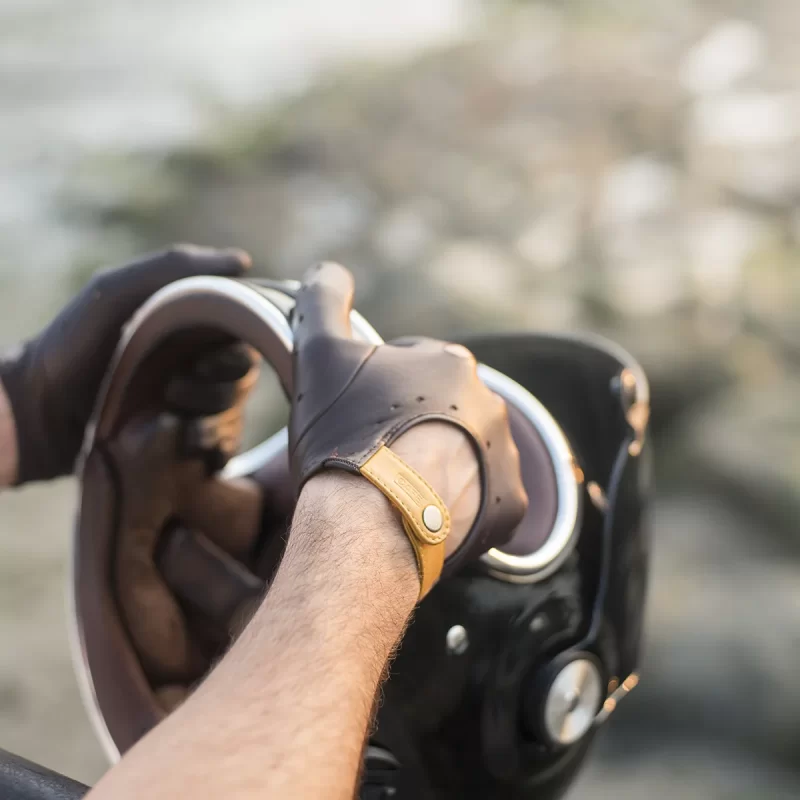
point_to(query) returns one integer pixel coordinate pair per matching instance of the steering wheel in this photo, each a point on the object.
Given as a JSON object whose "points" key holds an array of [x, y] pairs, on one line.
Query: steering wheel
{"points": [[178, 537]]}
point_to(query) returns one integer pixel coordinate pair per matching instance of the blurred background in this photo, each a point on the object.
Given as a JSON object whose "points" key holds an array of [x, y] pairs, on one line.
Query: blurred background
{"points": [[630, 167]]}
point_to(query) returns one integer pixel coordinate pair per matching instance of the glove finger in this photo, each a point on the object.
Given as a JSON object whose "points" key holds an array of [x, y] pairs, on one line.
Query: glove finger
{"points": [[190, 397], [213, 382], [143, 454], [151, 272], [154, 620], [227, 511], [114, 295], [208, 580], [228, 363], [323, 304]]}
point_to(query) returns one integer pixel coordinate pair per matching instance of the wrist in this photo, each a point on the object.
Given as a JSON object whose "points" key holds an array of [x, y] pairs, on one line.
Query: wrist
{"points": [[359, 522], [345, 524], [8, 441]]}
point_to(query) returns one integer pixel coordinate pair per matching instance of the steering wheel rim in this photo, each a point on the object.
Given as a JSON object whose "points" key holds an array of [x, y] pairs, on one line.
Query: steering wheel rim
{"points": [[258, 314]]}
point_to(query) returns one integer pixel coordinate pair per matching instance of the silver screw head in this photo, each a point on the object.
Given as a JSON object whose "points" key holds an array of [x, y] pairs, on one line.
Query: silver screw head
{"points": [[457, 640], [537, 624]]}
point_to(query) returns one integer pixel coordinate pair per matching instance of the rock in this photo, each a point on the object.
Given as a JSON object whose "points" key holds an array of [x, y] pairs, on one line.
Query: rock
{"points": [[642, 271], [637, 190], [403, 236], [748, 142], [771, 292], [644, 287], [730, 51], [322, 216], [489, 190], [550, 242], [534, 49], [551, 309], [476, 272], [747, 119], [720, 240]]}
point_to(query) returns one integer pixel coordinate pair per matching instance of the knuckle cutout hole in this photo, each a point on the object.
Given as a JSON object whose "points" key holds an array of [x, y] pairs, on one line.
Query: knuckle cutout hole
{"points": [[394, 406], [454, 408], [497, 500], [420, 399]]}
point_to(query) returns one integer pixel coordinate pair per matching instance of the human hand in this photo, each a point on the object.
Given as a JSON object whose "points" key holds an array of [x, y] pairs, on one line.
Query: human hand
{"points": [[50, 385], [421, 397]]}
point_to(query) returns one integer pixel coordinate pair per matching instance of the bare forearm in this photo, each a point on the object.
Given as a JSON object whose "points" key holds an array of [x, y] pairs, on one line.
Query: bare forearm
{"points": [[8, 441], [286, 712]]}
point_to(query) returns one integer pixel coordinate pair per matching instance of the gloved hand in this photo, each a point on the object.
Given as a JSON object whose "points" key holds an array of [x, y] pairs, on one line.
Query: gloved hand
{"points": [[352, 398], [174, 508], [53, 381]]}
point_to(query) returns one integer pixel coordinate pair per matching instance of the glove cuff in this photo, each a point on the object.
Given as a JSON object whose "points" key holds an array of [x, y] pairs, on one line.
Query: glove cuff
{"points": [[426, 519]]}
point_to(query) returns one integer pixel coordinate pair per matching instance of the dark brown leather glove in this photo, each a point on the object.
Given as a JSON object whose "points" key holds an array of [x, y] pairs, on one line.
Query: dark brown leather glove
{"points": [[53, 380], [171, 499], [351, 398]]}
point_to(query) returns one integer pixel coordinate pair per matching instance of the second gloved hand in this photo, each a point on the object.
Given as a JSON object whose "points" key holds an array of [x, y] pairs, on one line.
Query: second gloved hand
{"points": [[53, 380]]}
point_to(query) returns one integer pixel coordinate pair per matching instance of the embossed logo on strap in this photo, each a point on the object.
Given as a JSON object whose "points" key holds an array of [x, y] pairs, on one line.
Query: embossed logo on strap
{"points": [[426, 519]]}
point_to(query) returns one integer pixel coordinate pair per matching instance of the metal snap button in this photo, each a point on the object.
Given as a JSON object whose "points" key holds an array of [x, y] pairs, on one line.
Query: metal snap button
{"points": [[433, 519]]}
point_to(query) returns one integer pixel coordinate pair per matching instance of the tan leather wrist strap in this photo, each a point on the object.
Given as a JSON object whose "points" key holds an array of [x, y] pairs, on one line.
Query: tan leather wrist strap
{"points": [[426, 519]]}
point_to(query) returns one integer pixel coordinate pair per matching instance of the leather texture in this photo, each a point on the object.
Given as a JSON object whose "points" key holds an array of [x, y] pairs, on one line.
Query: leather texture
{"points": [[21, 779], [53, 380], [413, 497], [352, 398], [165, 471]]}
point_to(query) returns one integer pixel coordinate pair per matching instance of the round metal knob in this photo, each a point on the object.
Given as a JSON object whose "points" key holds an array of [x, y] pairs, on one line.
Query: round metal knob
{"points": [[572, 701]]}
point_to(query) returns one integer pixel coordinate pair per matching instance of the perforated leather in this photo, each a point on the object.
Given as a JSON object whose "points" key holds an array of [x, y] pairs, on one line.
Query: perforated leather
{"points": [[351, 398]]}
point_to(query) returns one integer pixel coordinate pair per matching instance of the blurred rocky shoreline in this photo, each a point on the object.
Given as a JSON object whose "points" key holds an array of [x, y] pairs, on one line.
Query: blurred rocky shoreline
{"points": [[628, 169]]}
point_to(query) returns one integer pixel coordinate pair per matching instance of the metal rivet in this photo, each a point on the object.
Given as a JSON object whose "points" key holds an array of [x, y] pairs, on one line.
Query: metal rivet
{"points": [[537, 623], [457, 640], [432, 517]]}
